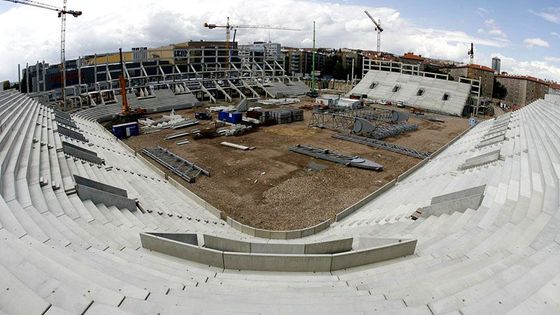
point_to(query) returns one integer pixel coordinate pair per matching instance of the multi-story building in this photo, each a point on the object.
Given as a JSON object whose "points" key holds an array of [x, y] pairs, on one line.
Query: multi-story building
{"points": [[300, 61], [554, 88], [496, 64], [522, 90], [477, 72]]}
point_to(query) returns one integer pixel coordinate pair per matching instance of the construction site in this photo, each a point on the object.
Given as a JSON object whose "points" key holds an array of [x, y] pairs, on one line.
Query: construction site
{"points": [[206, 177], [271, 187]]}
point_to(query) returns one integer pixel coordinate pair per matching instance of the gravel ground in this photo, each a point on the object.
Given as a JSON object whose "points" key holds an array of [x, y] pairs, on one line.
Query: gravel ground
{"points": [[272, 188]]}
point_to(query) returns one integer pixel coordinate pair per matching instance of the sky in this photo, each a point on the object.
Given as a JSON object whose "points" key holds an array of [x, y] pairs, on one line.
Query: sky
{"points": [[524, 34]]}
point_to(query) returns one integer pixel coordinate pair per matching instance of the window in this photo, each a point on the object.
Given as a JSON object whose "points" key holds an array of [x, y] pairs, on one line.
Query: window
{"points": [[420, 92], [445, 96], [396, 88], [373, 85]]}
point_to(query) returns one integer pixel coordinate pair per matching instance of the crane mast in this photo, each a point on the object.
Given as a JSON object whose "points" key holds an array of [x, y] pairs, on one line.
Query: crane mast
{"points": [[61, 14], [378, 29]]}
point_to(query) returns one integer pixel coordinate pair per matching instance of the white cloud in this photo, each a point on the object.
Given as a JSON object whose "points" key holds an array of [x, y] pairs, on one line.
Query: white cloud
{"points": [[492, 30], [545, 69], [550, 14], [554, 34], [482, 12], [552, 59], [29, 34], [538, 42]]}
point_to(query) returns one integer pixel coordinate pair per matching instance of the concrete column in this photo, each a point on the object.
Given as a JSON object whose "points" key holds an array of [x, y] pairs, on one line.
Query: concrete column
{"points": [[27, 77], [44, 77], [19, 76]]}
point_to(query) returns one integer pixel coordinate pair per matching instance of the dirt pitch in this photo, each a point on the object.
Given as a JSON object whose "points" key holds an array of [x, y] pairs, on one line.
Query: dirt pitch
{"points": [[273, 188]]}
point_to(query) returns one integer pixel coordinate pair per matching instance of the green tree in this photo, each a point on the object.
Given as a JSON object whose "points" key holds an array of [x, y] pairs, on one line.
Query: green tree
{"points": [[499, 91]]}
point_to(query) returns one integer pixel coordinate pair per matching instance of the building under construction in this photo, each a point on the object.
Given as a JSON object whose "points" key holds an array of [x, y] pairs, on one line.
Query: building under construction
{"points": [[197, 70]]}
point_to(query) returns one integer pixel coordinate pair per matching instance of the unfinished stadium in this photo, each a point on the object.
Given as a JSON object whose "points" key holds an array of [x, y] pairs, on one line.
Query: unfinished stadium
{"points": [[119, 195], [90, 226]]}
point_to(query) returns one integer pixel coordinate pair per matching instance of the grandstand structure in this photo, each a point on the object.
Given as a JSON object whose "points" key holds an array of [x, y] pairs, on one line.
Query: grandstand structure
{"points": [[201, 74], [401, 82], [485, 238]]}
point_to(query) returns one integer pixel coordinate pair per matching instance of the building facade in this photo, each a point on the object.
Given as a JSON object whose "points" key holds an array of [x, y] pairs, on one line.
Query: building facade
{"points": [[522, 90], [477, 72]]}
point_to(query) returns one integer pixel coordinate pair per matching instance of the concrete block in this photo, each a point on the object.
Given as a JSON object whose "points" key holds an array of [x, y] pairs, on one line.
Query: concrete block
{"points": [[249, 230], [262, 233], [81, 153], [307, 232], [106, 198], [267, 248], [322, 226], [182, 250], [226, 245], [478, 190], [293, 234], [491, 141], [481, 160], [100, 186], [278, 235], [329, 247], [272, 262], [373, 255], [189, 238]]}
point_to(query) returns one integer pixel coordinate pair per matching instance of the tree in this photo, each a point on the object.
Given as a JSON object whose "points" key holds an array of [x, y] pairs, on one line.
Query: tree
{"points": [[6, 85], [499, 91]]}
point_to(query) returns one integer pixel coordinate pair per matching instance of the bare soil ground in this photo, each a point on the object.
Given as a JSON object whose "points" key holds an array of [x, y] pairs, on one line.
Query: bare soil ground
{"points": [[273, 188]]}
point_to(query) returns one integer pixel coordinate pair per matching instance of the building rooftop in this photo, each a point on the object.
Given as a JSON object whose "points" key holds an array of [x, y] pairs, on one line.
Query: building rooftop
{"points": [[412, 56]]}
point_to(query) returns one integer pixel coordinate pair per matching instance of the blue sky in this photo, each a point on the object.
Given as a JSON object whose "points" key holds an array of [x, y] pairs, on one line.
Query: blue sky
{"points": [[514, 18], [523, 33]]}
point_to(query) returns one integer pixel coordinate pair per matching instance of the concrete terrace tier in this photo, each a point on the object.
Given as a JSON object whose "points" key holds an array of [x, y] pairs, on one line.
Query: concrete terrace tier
{"points": [[64, 255]]}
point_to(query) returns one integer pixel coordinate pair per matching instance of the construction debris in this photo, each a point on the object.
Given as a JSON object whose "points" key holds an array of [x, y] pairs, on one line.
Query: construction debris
{"points": [[176, 135], [234, 130], [185, 124], [280, 101], [182, 142], [380, 131], [237, 146], [383, 145], [178, 165], [325, 154]]}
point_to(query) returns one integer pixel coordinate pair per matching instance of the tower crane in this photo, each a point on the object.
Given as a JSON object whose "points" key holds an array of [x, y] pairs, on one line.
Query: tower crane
{"points": [[378, 29], [61, 14], [230, 27]]}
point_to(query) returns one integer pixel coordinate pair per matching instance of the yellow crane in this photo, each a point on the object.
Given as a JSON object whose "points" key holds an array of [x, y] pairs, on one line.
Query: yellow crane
{"points": [[230, 27], [61, 14]]}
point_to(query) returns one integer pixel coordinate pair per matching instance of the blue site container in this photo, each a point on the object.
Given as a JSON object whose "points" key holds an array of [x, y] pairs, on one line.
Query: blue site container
{"points": [[223, 116], [235, 117], [126, 130]]}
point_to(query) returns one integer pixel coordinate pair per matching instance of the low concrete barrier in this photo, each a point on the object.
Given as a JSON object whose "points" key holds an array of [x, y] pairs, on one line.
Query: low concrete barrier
{"points": [[279, 235], [229, 245], [186, 246], [348, 211], [187, 249]]}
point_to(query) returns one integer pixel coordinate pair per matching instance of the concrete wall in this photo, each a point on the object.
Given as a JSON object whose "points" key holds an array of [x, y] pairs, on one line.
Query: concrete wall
{"points": [[274, 262], [106, 198], [100, 186], [328, 247], [280, 235]]}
